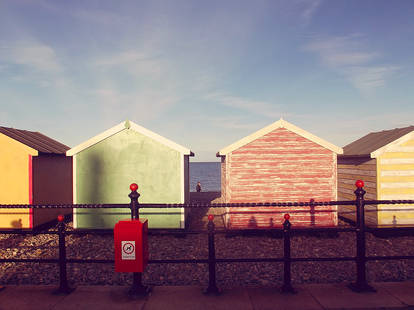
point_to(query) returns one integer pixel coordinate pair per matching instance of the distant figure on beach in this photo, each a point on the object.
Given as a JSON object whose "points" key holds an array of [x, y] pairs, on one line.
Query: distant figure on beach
{"points": [[198, 187]]}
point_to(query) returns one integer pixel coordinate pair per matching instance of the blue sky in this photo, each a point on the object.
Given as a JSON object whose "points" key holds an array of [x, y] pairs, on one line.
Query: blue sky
{"points": [[206, 73]]}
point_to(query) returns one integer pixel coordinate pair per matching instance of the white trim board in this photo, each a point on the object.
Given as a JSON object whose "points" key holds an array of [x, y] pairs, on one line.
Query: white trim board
{"points": [[395, 146], [123, 126], [279, 124], [74, 211], [182, 177]]}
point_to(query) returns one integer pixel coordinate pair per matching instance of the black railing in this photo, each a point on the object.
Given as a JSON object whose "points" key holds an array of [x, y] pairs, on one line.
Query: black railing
{"points": [[360, 284]]}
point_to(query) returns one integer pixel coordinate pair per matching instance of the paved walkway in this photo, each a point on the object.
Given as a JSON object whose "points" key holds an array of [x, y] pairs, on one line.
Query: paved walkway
{"points": [[390, 295]]}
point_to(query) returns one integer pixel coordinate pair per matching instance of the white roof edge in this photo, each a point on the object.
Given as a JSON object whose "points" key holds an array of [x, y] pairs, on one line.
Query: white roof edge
{"points": [[127, 125], [383, 149], [161, 139], [279, 124], [107, 133]]}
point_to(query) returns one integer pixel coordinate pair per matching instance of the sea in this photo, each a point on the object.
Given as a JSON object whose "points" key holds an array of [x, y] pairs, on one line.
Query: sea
{"points": [[208, 174]]}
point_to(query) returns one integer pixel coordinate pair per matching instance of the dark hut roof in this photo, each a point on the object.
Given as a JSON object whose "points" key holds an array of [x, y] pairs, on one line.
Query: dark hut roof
{"points": [[375, 140], [35, 140]]}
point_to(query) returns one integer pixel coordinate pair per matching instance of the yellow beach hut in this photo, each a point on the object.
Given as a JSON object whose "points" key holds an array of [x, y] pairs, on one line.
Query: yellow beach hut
{"points": [[34, 169], [384, 160]]}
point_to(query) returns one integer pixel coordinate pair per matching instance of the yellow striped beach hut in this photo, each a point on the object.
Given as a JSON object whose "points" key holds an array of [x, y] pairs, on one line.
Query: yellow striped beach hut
{"points": [[384, 160]]}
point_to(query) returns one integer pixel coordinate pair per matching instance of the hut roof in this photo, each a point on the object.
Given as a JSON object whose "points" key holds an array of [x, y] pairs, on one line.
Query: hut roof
{"points": [[124, 126], [371, 144], [279, 124], [35, 140]]}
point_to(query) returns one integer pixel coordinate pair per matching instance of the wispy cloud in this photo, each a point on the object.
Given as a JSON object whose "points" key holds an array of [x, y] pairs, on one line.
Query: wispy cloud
{"points": [[32, 55], [234, 122], [139, 64], [143, 104], [351, 126], [91, 15], [310, 8], [262, 108], [348, 56], [368, 78], [152, 93]]}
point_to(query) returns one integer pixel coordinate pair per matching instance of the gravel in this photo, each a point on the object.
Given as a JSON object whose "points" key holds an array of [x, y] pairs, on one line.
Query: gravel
{"points": [[194, 246]]}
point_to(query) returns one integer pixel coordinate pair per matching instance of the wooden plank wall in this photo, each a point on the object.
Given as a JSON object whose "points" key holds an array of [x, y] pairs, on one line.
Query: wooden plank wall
{"points": [[352, 169], [278, 167], [349, 171]]}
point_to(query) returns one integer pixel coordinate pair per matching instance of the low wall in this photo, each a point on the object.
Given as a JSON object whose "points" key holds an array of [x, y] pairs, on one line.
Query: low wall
{"points": [[205, 197]]}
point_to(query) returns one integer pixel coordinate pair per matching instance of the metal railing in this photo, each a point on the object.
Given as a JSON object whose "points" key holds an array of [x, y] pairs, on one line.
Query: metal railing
{"points": [[360, 284]]}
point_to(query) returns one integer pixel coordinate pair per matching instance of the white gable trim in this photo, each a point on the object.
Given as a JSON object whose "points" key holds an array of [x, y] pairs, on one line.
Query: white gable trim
{"points": [[96, 139], [162, 140], [123, 126], [74, 193], [394, 145], [279, 124]]}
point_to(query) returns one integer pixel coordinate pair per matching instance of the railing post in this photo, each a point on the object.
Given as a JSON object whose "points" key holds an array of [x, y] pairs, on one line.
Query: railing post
{"points": [[287, 285], [63, 282], [134, 205], [212, 287], [137, 289], [361, 284]]}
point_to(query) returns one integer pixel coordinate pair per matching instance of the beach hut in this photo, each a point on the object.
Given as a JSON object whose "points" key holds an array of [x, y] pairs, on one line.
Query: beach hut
{"points": [[279, 163], [384, 160], [105, 165], [34, 170]]}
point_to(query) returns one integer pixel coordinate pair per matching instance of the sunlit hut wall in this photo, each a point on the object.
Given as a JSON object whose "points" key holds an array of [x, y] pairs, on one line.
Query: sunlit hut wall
{"points": [[34, 170], [384, 160], [105, 165], [279, 163]]}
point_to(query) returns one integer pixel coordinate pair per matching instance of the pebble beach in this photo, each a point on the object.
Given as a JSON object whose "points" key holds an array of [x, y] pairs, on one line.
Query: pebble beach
{"points": [[194, 246]]}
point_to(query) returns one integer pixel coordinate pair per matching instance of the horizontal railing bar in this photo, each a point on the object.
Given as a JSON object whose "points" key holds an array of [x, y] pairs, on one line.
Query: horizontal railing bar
{"points": [[28, 232], [322, 259], [389, 228], [177, 261], [95, 261], [390, 257], [202, 261], [29, 260], [205, 205]]}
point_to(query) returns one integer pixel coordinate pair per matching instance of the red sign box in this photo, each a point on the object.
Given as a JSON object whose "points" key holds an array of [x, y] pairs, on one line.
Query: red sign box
{"points": [[131, 245]]}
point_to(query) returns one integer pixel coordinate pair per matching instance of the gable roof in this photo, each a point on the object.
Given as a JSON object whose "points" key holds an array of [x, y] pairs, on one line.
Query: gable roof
{"points": [[125, 126], [375, 141], [279, 124], [35, 140]]}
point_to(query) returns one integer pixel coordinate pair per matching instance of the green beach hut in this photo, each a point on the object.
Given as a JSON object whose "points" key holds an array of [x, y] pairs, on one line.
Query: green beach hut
{"points": [[105, 165]]}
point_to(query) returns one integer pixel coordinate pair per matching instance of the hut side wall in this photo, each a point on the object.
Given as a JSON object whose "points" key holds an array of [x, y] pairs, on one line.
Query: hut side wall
{"points": [[278, 167], [396, 181], [349, 171], [186, 179], [15, 182], [52, 184], [105, 170], [352, 169]]}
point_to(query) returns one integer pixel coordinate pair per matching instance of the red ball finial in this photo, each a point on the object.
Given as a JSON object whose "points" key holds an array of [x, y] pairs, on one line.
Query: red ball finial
{"points": [[60, 218], [287, 217], [133, 187], [210, 217], [359, 183]]}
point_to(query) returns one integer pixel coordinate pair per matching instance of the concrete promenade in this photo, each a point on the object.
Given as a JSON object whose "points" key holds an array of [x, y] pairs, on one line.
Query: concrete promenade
{"points": [[389, 295]]}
